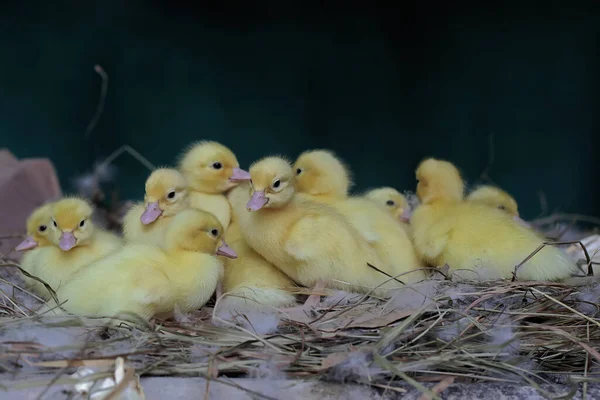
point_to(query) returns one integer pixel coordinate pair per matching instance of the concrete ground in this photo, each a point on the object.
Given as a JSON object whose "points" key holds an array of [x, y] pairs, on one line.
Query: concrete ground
{"points": [[195, 388]]}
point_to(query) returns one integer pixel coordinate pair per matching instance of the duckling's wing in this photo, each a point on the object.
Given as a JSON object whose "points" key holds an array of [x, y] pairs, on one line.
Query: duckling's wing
{"points": [[433, 243], [317, 235]]}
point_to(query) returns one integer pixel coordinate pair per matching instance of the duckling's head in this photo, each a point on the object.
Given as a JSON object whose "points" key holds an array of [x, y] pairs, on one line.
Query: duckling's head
{"points": [[210, 167], [438, 181], [71, 223], [272, 183], [38, 228], [392, 200], [320, 172], [166, 194], [198, 231], [496, 198]]}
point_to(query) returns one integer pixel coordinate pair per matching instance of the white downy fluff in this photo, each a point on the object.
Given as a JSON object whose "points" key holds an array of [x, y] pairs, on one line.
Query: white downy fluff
{"points": [[589, 300], [340, 298], [358, 366], [260, 322], [502, 336], [413, 296]]}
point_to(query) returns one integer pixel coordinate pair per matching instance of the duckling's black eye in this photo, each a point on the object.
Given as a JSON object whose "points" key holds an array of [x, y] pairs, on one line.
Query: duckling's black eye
{"points": [[217, 165], [171, 195], [82, 223], [502, 207], [390, 202], [55, 223], [42, 228], [276, 184], [215, 232], [298, 171]]}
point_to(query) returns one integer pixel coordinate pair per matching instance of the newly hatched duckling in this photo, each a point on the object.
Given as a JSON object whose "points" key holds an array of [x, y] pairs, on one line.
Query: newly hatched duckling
{"points": [[38, 228], [166, 195], [322, 176], [392, 201], [211, 169], [310, 242], [148, 280], [76, 242], [494, 197], [471, 236], [251, 281], [497, 198]]}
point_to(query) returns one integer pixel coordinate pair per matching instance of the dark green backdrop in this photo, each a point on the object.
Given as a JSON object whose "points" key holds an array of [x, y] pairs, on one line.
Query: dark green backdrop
{"points": [[383, 88]]}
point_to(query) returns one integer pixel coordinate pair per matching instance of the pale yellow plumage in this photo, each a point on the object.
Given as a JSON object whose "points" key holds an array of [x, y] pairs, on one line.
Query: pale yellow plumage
{"points": [[166, 189], [325, 179], [38, 229], [476, 237], [494, 197], [252, 281], [308, 241], [56, 266], [149, 280], [208, 167]]}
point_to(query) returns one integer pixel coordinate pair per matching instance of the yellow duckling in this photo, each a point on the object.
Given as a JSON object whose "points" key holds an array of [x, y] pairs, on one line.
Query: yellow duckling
{"points": [[392, 201], [251, 281], [76, 242], [166, 195], [471, 236], [38, 228], [494, 197], [310, 242], [323, 177], [148, 280], [211, 169], [497, 198]]}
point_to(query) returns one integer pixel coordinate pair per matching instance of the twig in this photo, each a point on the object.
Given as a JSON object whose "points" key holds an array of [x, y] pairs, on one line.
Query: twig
{"points": [[27, 274], [128, 149], [385, 273], [565, 216], [540, 247], [100, 107]]}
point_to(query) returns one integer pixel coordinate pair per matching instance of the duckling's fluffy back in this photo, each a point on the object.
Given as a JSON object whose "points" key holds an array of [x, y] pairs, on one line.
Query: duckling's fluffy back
{"points": [[494, 197], [486, 240]]}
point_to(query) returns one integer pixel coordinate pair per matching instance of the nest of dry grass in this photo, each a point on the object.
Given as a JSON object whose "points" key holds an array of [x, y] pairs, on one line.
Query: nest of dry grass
{"points": [[437, 331], [427, 335]]}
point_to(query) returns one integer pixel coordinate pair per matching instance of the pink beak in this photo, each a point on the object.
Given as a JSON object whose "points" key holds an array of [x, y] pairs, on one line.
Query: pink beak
{"points": [[226, 251], [26, 244], [257, 201], [67, 241], [239, 175], [406, 214], [151, 214]]}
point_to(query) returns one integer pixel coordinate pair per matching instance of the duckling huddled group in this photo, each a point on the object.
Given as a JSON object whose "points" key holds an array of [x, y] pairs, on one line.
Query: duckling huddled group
{"points": [[255, 237]]}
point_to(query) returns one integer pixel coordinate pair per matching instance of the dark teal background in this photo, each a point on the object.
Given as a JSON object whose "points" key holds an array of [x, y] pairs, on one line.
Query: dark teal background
{"points": [[383, 88]]}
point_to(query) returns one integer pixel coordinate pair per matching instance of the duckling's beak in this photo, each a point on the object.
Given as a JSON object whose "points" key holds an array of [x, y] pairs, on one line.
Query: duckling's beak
{"points": [[26, 244], [67, 241], [257, 201], [406, 214], [151, 214], [239, 175], [226, 251]]}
